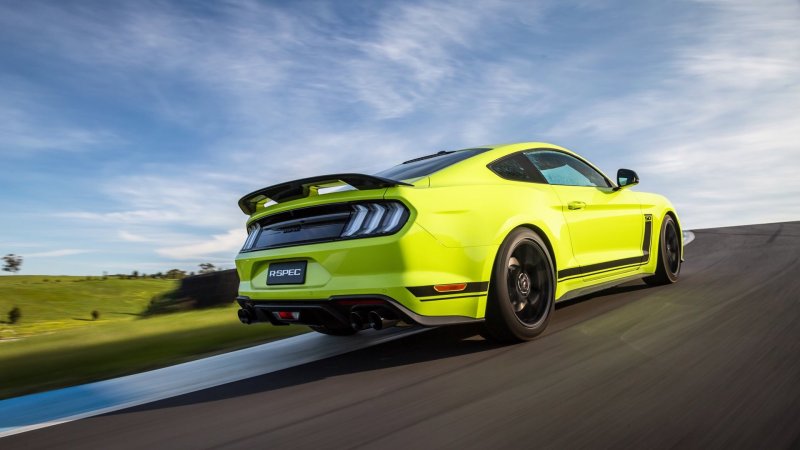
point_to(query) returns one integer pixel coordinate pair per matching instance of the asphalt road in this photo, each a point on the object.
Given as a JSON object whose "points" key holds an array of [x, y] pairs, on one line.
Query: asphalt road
{"points": [[710, 362]]}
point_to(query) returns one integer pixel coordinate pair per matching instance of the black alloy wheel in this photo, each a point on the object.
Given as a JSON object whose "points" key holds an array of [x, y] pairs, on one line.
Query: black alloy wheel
{"points": [[673, 248], [528, 283], [522, 289], [669, 254]]}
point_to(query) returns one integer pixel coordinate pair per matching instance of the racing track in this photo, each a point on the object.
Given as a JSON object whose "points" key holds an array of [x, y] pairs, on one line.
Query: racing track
{"points": [[712, 361]]}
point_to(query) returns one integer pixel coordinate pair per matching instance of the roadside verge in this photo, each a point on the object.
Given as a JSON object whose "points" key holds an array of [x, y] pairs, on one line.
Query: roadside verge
{"points": [[31, 412]]}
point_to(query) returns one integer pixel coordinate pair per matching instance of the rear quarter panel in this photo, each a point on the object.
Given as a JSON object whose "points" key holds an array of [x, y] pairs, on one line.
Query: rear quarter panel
{"points": [[482, 214]]}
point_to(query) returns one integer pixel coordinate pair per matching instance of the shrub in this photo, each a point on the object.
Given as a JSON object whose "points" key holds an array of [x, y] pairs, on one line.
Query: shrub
{"points": [[14, 315], [95, 314]]}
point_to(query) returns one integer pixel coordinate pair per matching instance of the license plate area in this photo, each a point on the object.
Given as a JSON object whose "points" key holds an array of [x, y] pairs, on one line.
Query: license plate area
{"points": [[293, 272]]}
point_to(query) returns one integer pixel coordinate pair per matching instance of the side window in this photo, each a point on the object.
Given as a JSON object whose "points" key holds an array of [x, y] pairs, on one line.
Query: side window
{"points": [[518, 168], [561, 168]]}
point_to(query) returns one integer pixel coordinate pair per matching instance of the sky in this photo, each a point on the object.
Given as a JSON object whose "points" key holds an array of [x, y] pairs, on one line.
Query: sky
{"points": [[129, 130]]}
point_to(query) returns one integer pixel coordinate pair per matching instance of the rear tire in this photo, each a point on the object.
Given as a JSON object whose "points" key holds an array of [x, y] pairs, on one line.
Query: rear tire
{"points": [[334, 331], [669, 254], [522, 291]]}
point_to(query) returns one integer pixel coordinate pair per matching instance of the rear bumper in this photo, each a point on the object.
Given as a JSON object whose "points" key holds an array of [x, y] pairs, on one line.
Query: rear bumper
{"points": [[335, 312], [392, 268]]}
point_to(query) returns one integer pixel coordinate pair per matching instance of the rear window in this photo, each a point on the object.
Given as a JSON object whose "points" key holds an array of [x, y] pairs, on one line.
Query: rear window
{"points": [[426, 165]]}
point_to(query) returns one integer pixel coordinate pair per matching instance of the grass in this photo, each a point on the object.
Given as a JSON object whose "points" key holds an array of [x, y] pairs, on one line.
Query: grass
{"points": [[50, 304], [56, 344]]}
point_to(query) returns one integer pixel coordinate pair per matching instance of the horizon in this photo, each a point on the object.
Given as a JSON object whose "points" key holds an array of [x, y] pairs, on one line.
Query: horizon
{"points": [[190, 272]]}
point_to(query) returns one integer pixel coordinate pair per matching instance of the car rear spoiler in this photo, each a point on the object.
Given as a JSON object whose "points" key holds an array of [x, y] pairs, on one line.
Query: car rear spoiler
{"points": [[292, 190]]}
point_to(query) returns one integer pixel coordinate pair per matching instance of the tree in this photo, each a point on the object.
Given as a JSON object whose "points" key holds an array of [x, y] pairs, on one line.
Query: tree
{"points": [[175, 274], [207, 268], [95, 314], [12, 263], [135, 274]]}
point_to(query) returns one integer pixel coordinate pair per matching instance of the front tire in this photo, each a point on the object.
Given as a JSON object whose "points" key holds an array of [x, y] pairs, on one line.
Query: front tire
{"points": [[522, 290], [669, 254]]}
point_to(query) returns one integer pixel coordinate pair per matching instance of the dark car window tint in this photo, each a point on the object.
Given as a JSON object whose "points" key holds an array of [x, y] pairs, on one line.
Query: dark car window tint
{"points": [[427, 165], [561, 168], [518, 168]]}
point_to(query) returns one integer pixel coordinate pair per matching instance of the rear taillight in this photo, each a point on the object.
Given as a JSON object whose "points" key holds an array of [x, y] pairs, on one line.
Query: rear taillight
{"points": [[252, 233], [375, 219], [325, 223]]}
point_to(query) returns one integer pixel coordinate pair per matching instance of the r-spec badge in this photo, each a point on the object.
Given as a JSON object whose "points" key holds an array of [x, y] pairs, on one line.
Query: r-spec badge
{"points": [[287, 273]]}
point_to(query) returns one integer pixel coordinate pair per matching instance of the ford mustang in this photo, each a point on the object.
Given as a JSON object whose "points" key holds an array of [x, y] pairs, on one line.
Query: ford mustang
{"points": [[495, 234]]}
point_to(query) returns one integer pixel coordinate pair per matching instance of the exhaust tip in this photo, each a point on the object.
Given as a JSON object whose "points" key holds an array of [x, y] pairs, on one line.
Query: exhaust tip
{"points": [[357, 321], [378, 322], [245, 316]]}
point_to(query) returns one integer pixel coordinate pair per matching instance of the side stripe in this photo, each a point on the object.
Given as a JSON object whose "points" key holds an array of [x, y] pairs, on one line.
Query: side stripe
{"points": [[436, 299]]}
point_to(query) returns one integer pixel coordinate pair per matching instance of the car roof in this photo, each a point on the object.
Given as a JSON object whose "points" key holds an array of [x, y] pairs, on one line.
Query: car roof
{"points": [[500, 150], [470, 166]]}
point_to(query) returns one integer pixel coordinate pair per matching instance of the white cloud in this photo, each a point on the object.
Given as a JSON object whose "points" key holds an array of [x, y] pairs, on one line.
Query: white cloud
{"points": [[195, 200], [28, 126], [124, 217], [718, 133], [237, 55], [132, 237], [219, 244], [12, 244], [57, 253], [417, 51]]}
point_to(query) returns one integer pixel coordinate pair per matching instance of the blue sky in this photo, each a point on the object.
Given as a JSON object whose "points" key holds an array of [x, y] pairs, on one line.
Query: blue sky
{"points": [[128, 130]]}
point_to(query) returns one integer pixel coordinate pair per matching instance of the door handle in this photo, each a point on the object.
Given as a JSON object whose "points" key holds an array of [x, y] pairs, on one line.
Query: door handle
{"points": [[576, 205]]}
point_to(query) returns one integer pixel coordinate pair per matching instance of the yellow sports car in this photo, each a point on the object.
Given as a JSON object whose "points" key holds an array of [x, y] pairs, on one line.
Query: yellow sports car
{"points": [[496, 234]]}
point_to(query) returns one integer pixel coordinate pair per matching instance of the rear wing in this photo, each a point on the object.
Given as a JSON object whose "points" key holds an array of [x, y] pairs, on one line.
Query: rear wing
{"points": [[293, 190]]}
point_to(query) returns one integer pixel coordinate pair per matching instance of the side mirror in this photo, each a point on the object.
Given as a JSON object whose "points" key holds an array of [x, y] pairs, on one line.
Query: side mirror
{"points": [[626, 177]]}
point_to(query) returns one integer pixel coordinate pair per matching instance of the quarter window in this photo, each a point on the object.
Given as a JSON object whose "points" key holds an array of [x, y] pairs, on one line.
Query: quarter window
{"points": [[563, 169], [518, 168]]}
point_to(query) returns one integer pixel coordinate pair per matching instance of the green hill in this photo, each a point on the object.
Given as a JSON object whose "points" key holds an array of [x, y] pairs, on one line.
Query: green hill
{"points": [[56, 343], [51, 303]]}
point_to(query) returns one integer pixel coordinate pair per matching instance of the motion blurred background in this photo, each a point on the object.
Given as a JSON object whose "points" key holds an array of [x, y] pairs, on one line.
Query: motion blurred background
{"points": [[128, 130]]}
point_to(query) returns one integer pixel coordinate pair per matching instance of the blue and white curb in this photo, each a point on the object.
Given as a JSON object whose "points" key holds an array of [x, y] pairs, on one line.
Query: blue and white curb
{"points": [[31, 412]]}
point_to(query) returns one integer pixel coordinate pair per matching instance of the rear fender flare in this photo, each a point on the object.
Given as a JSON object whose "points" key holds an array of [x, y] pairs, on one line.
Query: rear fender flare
{"points": [[491, 258]]}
